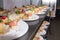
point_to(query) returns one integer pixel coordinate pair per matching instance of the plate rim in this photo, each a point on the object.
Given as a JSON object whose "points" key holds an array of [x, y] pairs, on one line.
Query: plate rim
{"points": [[32, 19], [25, 31]]}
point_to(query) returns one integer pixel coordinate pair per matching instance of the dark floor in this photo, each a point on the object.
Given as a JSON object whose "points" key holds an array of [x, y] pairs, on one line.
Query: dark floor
{"points": [[55, 28]]}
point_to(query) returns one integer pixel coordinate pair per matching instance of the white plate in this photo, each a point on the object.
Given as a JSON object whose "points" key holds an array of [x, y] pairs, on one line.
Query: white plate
{"points": [[22, 29], [43, 32], [34, 17], [45, 27], [38, 38], [41, 38], [43, 11]]}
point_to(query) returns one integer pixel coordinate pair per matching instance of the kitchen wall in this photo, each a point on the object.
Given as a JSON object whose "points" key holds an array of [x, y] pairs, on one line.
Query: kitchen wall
{"points": [[37, 2], [9, 4], [19, 3], [1, 3], [46, 2]]}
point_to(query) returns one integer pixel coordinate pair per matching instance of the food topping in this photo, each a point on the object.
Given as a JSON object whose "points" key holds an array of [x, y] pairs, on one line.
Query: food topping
{"points": [[13, 23], [4, 28], [0, 19], [3, 17]]}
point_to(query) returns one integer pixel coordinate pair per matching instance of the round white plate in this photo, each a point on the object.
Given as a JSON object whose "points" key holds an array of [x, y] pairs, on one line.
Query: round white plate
{"points": [[43, 11], [22, 29], [34, 17], [41, 38], [45, 27], [43, 32]]}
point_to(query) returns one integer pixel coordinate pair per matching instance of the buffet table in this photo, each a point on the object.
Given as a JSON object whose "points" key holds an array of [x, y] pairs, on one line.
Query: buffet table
{"points": [[33, 28], [27, 27]]}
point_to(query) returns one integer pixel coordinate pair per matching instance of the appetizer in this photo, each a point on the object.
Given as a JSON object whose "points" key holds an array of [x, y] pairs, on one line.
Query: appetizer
{"points": [[13, 20], [3, 28]]}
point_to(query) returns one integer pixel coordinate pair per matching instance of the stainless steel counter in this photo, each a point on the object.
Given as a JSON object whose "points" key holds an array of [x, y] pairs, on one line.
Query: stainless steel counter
{"points": [[33, 28]]}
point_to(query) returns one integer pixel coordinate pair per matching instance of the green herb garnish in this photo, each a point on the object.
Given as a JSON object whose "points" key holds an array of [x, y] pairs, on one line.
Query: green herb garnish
{"points": [[23, 6], [31, 9], [17, 12], [1, 20]]}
